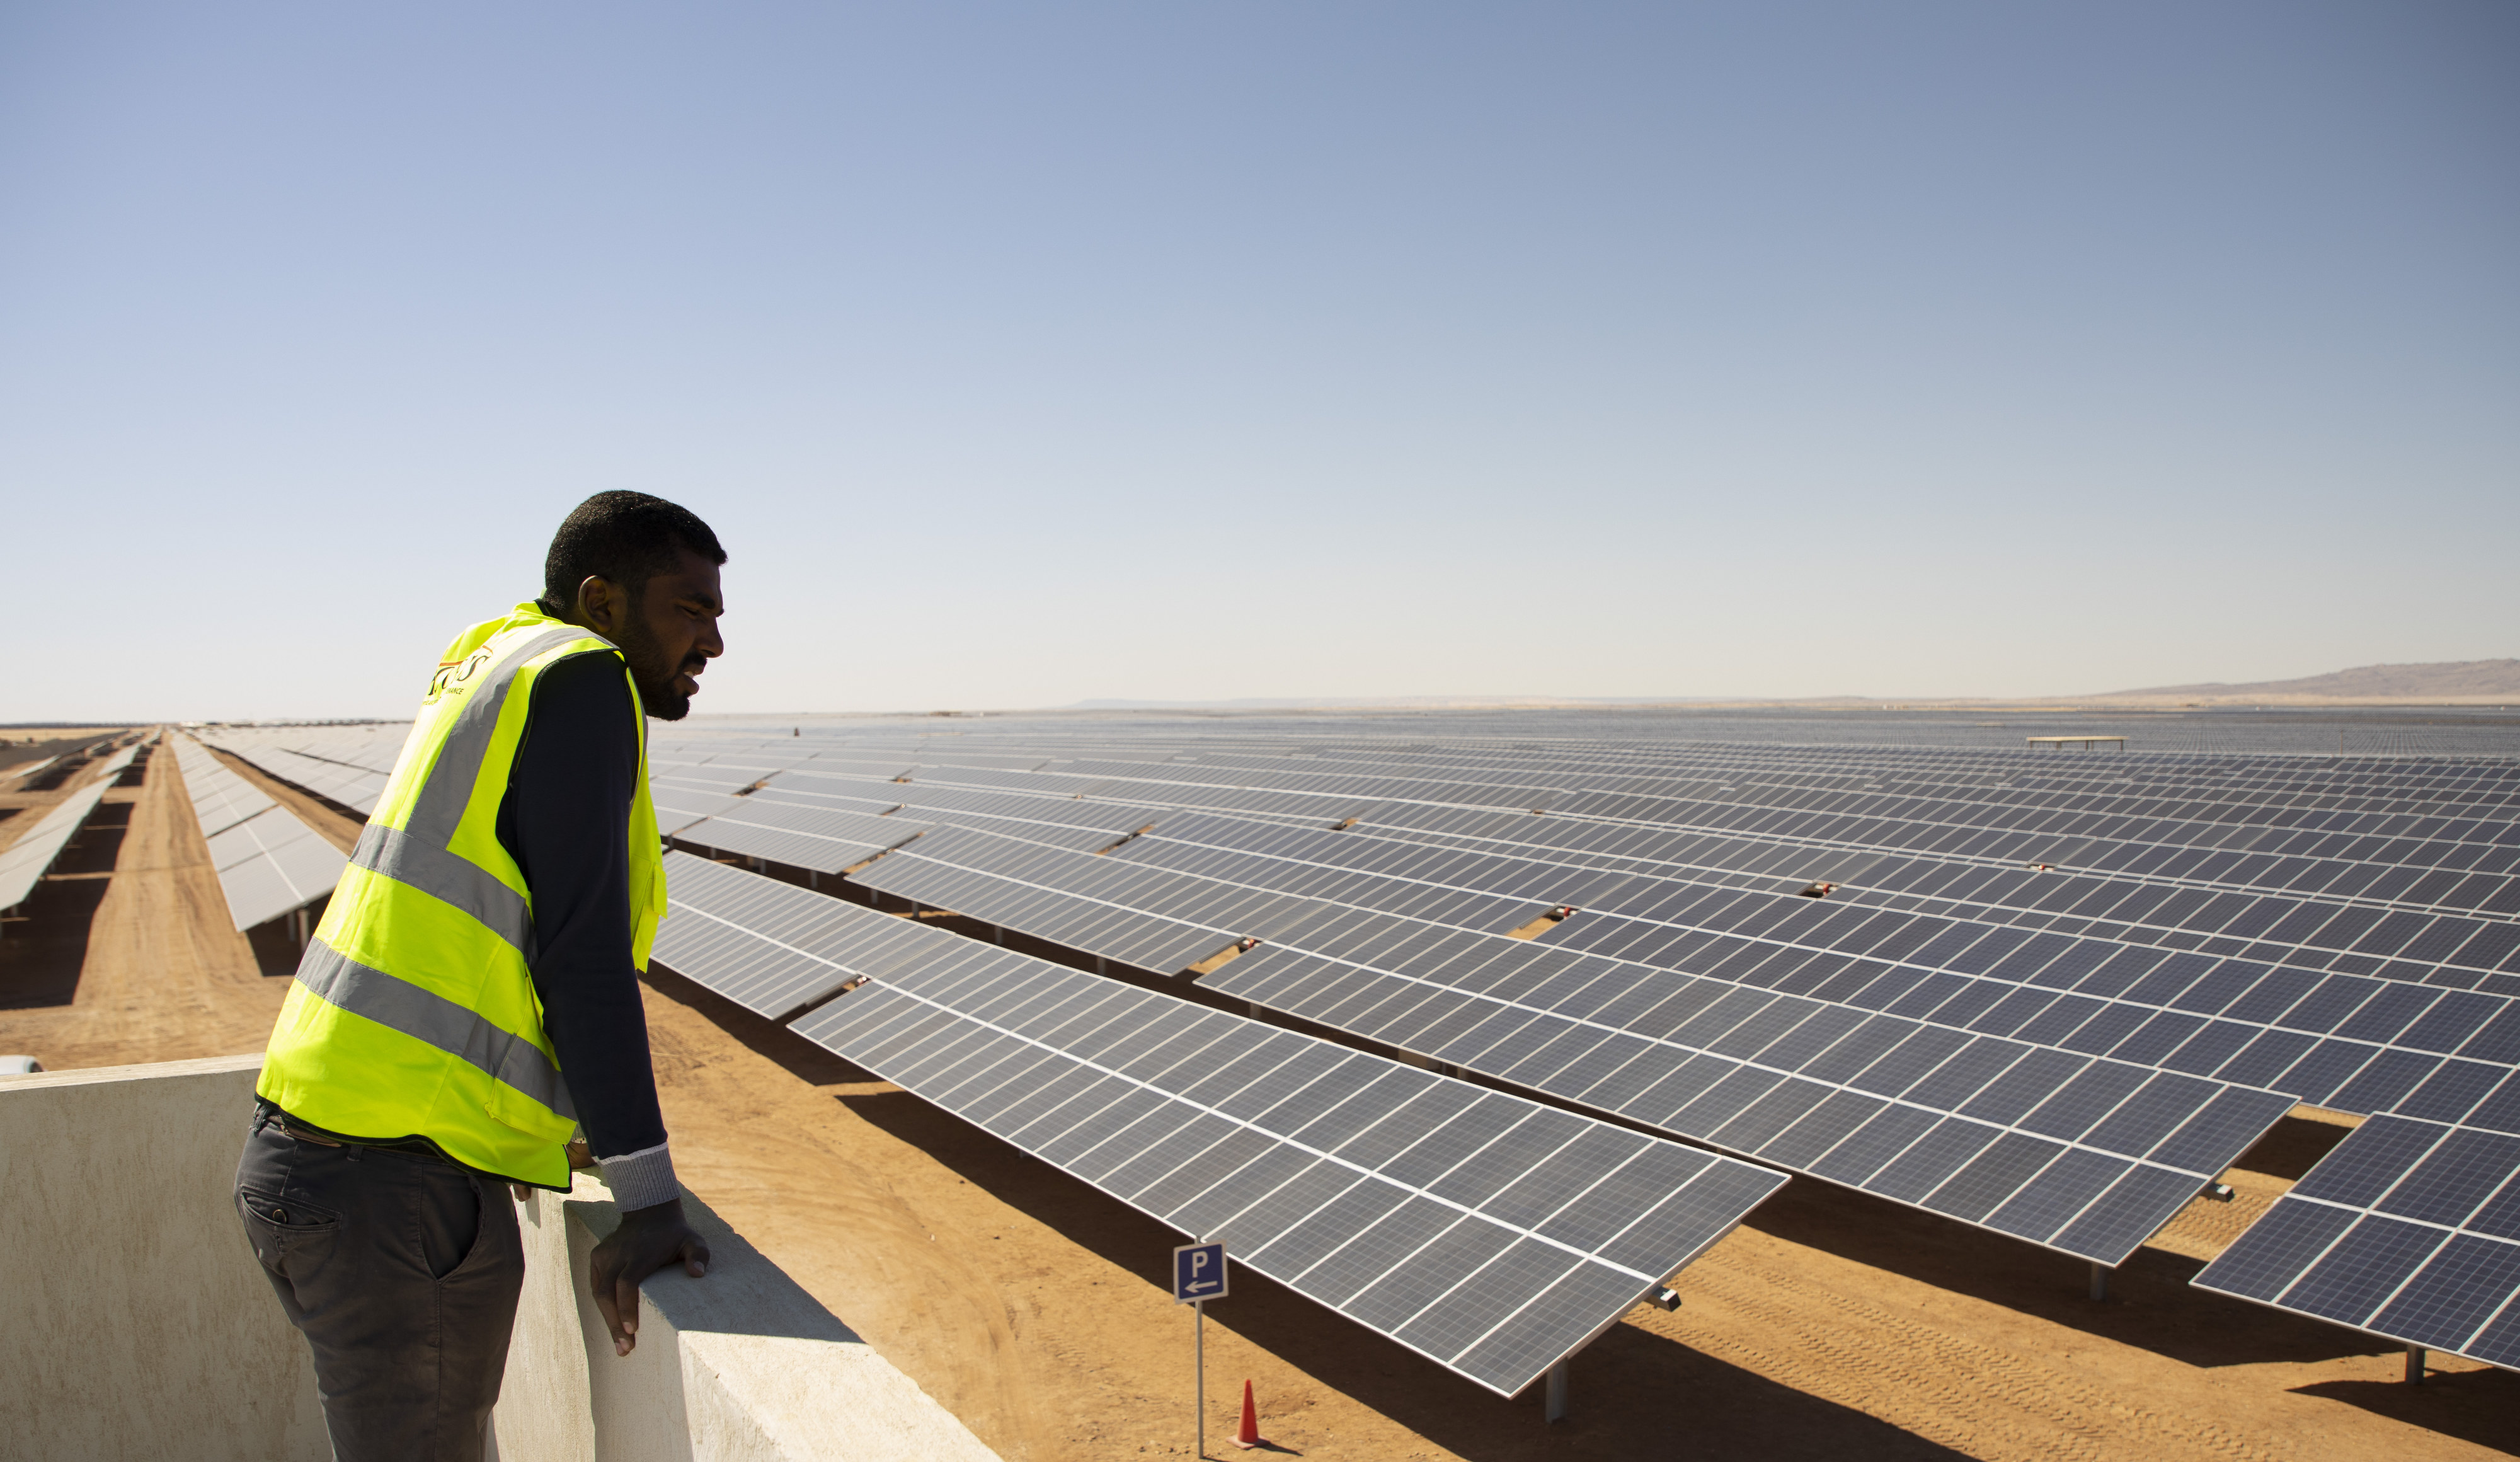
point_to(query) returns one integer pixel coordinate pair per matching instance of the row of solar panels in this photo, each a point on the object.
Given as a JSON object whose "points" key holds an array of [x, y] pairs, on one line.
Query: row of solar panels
{"points": [[2018, 794], [2430, 1290], [269, 861], [2442, 950], [345, 764], [2152, 786], [2464, 873], [33, 851], [1489, 1233], [2320, 870]]}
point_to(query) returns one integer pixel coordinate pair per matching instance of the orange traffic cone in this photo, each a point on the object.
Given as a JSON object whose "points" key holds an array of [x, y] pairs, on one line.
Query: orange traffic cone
{"points": [[1249, 1434]]}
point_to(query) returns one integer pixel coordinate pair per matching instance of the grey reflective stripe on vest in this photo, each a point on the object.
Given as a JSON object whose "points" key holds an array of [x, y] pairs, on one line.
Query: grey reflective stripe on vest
{"points": [[457, 880], [417, 852], [427, 1016]]}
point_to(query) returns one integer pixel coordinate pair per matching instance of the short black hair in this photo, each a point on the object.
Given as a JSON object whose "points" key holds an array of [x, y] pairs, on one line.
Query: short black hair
{"points": [[627, 537]]}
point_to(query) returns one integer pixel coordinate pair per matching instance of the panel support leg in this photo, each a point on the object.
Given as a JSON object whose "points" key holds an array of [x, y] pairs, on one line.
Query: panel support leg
{"points": [[1555, 1410], [2099, 1280], [1002, 935], [2414, 1365]]}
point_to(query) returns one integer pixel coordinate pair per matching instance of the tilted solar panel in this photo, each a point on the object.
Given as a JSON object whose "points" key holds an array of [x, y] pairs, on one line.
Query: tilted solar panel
{"points": [[268, 860], [1487, 1232], [2407, 1229], [825, 840], [771, 947], [32, 853]]}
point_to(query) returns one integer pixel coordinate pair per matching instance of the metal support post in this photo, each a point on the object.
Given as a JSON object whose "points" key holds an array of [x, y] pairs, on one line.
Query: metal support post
{"points": [[1198, 1348], [1555, 1408], [2099, 1280], [2414, 1365], [1002, 935]]}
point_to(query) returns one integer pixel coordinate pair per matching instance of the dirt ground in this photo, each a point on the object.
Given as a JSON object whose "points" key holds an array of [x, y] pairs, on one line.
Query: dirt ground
{"points": [[1831, 1326], [128, 953]]}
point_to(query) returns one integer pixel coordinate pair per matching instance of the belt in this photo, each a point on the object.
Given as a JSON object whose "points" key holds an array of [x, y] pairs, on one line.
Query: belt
{"points": [[415, 1145]]}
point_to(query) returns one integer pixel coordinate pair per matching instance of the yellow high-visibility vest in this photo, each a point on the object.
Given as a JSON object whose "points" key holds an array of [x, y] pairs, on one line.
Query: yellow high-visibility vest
{"points": [[414, 1009]]}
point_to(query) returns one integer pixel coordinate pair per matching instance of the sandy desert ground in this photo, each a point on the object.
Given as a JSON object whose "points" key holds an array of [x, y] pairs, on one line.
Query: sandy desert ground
{"points": [[1831, 1326]]}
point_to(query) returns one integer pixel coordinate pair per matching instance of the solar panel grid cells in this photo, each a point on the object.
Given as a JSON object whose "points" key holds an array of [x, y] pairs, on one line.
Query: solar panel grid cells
{"points": [[2187, 981], [2254, 1047], [2409, 1229], [1968, 1170], [2223, 908], [2188, 1043], [1464, 1281]]}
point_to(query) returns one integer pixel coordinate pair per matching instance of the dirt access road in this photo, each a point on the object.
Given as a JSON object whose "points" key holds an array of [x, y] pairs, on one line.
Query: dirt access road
{"points": [[1831, 1326]]}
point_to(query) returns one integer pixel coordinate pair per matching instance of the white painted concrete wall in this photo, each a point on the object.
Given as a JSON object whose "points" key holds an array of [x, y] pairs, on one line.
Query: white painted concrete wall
{"points": [[739, 1366], [137, 1324]]}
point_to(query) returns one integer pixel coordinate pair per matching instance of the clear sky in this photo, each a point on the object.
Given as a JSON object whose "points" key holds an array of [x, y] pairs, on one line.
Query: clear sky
{"points": [[1024, 354]]}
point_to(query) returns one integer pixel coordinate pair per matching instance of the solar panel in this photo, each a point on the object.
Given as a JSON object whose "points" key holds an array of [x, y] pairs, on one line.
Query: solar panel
{"points": [[771, 947], [2407, 1229], [269, 861], [824, 839], [345, 764], [1489, 1233], [31, 854]]}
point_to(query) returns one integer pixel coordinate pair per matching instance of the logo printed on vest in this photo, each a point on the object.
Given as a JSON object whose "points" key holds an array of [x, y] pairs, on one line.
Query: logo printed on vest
{"points": [[453, 674]]}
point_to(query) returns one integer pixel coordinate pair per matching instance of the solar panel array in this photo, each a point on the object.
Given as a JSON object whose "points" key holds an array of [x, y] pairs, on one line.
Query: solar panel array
{"points": [[269, 861], [1487, 1232], [2085, 1155], [33, 853], [345, 764], [2153, 952]]}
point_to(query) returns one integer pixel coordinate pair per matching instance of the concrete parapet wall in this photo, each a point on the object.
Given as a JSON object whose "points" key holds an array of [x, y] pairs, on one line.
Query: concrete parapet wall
{"points": [[138, 1325], [741, 1364]]}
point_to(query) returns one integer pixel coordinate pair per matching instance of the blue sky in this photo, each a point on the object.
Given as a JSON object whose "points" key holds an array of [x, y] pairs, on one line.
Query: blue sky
{"points": [[1029, 354]]}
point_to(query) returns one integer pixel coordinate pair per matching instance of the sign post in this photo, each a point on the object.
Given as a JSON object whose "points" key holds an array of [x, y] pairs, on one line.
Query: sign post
{"points": [[1199, 1276]]}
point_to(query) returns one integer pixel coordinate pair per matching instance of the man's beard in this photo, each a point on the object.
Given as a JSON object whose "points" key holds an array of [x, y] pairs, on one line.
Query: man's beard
{"points": [[650, 671]]}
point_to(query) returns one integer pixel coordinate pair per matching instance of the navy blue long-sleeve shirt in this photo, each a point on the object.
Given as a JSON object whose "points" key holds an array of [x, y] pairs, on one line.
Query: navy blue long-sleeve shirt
{"points": [[566, 820]]}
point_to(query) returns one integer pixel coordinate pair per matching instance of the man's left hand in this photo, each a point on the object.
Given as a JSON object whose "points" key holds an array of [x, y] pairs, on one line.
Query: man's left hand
{"points": [[647, 1240]]}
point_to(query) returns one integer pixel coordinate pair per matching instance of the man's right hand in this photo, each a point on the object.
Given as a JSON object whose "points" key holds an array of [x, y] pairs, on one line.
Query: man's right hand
{"points": [[647, 1240]]}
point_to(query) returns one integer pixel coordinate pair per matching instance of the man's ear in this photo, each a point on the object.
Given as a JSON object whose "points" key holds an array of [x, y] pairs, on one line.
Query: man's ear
{"points": [[600, 605]]}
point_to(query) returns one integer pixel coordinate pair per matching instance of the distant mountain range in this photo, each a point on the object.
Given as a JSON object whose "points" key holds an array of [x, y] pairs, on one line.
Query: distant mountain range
{"points": [[2460, 680]]}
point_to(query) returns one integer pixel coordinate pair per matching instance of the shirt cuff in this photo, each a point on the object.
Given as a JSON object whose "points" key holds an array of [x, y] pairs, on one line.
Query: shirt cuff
{"points": [[642, 1179]]}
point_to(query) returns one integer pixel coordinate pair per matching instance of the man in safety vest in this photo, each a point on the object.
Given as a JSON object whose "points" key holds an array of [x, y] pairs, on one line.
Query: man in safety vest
{"points": [[471, 999]]}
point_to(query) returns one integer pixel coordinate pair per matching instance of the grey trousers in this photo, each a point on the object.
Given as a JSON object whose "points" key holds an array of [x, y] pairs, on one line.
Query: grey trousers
{"points": [[402, 1272]]}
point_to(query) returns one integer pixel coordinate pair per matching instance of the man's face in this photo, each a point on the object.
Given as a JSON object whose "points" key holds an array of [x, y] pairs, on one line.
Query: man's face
{"points": [[668, 632]]}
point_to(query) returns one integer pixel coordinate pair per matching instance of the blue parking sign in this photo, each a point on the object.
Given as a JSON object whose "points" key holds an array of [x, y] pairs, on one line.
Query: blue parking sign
{"points": [[1199, 1272]]}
